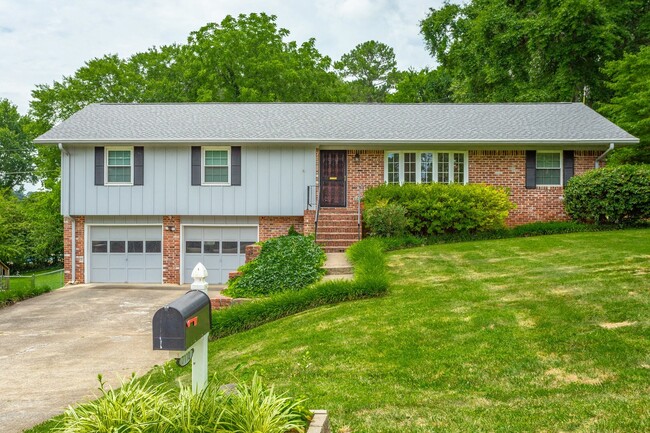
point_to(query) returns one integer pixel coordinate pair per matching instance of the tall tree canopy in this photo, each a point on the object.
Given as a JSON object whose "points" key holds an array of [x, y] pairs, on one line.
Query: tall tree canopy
{"points": [[240, 59], [16, 148], [540, 50], [371, 70], [629, 108], [422, 86]]}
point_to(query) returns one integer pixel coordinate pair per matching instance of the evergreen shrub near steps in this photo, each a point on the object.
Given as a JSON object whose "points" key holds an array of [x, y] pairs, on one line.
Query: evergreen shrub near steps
{"points": [[285, 263]]}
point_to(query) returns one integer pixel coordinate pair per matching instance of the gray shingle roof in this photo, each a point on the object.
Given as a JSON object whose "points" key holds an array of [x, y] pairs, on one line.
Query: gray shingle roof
{"points": [[316, 122]]}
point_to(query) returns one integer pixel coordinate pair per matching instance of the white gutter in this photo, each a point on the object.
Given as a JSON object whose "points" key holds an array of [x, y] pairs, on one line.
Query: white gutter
{"points": [[597, 163]]}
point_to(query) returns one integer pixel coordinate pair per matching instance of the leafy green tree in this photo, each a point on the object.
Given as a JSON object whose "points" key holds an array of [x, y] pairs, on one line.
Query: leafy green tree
{"points": [[16, 148], [247, 59], [13, 236], [629, 108], [371, 70], [422, 86], [532, 50]]}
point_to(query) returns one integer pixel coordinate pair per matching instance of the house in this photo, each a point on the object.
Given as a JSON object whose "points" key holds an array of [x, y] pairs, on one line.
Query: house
{"points": [[148, 190]]}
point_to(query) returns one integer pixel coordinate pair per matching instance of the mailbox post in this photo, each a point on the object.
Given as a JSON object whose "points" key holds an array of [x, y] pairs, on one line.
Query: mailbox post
{"points": [[184, 325]]}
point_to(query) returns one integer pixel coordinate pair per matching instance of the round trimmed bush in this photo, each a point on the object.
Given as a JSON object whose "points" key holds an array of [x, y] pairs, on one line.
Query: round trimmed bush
{"points": [[610, 195]]}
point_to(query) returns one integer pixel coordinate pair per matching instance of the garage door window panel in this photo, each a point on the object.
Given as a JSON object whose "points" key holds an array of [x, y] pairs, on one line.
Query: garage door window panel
{"points": [[193, 247], [99, 247], [153, 246], [135, 246], [117, 247], [211, 247], [230, 247]]}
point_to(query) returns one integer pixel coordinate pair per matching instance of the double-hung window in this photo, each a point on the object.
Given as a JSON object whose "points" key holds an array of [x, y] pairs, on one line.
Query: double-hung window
{"points": [[119, 166], [425, 167], [548, 168], [216, 165]]}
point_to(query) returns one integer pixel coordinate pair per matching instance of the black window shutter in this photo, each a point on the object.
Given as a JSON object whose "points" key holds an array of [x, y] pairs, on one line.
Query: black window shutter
{"points": [[196, 165], [531, 164], [99, 166], [138, 165], [568, 165], [235, 165]]}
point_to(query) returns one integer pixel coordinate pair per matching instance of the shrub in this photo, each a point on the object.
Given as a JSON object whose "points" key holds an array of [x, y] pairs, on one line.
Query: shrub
{"points": [[370, 280], [610, 195], [386, 219], [289, 262], [139, 407], [444, 208]]}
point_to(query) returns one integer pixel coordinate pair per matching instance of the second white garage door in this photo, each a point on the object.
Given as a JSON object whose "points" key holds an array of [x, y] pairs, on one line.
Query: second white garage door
{"points": [[221, 250]]}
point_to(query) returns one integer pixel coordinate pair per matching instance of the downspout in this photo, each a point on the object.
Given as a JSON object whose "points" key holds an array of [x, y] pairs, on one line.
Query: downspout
{"points": [[66, 213], [600, 158]]}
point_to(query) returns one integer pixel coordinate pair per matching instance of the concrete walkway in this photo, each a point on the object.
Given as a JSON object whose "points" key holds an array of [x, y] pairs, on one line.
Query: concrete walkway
{"points": [[337, 267], [53, 346]]}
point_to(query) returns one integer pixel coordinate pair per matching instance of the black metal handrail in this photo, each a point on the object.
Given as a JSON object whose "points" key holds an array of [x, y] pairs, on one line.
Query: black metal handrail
{"points": [[317, 211]]}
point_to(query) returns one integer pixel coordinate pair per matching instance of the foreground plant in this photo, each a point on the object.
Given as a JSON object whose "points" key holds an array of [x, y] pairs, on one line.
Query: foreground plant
{"points": [[140, 407]]}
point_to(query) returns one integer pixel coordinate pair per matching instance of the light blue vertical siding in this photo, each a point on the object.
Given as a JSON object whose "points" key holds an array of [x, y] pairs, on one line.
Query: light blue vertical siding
{"points": [[274, 182]]}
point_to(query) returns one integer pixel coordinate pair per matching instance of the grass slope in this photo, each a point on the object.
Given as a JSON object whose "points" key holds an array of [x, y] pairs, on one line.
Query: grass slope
{"points": [[549, 333]]}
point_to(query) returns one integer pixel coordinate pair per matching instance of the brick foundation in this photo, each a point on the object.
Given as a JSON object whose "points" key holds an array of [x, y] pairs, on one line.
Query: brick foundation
{"points": [[274, 226], [171, 246], [80, 242]]}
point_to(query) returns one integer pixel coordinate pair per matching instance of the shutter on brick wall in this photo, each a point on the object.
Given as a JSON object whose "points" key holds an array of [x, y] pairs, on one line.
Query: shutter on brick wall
{"points": [[568, 165], [196, 165], [531, 162], [99, 166], [235, 165], [138, 165]]}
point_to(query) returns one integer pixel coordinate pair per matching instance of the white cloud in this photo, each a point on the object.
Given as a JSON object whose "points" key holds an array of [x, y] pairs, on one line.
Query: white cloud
{"points": [[43, 40]]}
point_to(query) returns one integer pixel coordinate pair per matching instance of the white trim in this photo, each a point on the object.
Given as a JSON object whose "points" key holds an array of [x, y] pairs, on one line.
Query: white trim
{"points": [[131, 158], [229, 164], [418, 161], [87, 245], [182, 246], [537, 152]]}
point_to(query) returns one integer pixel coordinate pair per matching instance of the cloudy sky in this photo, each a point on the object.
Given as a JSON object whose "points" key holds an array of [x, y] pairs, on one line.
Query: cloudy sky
{"points": [[43, 40]]}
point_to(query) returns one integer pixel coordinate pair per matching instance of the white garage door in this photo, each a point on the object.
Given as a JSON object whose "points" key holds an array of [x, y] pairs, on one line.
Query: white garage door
{"points": [[220, 249], [125, 254]]}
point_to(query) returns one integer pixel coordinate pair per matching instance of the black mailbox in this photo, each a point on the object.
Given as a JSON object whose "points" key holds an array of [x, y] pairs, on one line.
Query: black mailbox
{"points": [[183, 322]]}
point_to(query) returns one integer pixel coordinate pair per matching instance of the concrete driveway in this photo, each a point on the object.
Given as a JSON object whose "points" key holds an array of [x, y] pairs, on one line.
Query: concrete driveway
{"points": [[53, 346]]}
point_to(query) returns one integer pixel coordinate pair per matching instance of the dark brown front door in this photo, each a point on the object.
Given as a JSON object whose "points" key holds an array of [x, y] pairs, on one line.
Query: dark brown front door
{"points": [[332, 178]]}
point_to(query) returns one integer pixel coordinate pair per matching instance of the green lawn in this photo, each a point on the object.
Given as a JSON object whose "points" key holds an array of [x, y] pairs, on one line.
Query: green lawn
{"points": [[31, 284], [537, 334]]}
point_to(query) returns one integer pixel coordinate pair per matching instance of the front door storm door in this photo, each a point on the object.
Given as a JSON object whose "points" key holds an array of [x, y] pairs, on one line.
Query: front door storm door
{"points": [[333, 167]]}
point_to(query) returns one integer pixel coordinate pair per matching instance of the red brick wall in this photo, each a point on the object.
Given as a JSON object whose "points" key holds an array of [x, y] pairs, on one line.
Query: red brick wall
{"points": [[171, 248], [508, 168], [585, 160], [308, 222], [274, 226], [79, 249], [366, 173]]}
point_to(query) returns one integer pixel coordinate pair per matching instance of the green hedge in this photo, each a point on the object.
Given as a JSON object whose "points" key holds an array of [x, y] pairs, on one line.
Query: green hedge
{"points": [[370, 280], [610, 195], [438, 208], [526, 230], [290, 262]]}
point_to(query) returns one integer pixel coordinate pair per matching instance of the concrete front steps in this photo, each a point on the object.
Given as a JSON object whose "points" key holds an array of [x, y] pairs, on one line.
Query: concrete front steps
{"points": [[337, 229], [337, 267]]}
